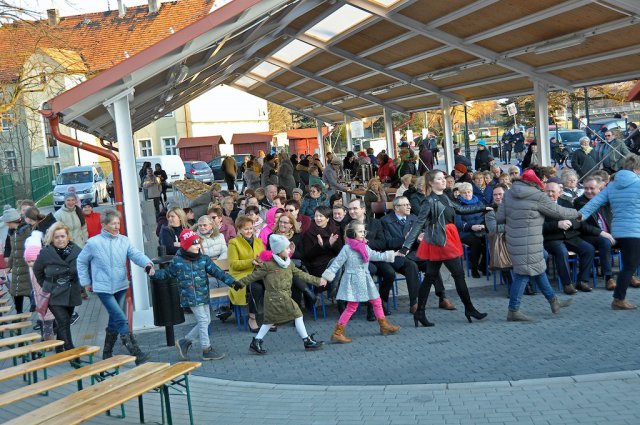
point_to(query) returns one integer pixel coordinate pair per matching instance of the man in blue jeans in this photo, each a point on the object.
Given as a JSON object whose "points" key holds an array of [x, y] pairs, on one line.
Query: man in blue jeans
{"points": [[523, 210]]}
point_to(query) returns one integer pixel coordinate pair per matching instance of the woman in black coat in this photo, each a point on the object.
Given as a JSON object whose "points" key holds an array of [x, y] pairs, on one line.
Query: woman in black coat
{"points": [[55, 270]]}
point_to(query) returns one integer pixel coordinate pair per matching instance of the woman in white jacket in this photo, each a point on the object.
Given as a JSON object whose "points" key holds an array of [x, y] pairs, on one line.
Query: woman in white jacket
{"points": [[211, 240]]}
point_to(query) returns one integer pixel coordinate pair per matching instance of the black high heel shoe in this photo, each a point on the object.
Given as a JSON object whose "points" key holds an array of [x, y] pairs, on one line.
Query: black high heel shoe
{"points": [[420, 317], [475, 314]]}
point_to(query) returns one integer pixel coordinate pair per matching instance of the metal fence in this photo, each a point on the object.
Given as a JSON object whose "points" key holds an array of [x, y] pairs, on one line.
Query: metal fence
{"points": [[41, 179], [7, 194]]}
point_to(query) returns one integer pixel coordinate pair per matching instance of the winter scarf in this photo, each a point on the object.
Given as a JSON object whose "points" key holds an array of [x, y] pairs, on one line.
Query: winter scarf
{"points": [[360, 247]]}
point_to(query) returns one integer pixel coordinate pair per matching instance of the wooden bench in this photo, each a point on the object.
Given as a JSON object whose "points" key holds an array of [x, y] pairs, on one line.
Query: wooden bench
{"points": [[14, 328], [108, 399], [3, 301], [45, 362], [223, 264], [25, 350], [76, 375], [20, 339], [5, 309], [217, 297], [15, 317]]}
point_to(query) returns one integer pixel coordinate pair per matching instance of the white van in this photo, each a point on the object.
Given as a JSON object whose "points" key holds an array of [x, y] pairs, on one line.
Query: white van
{"points": [[171, 164]]}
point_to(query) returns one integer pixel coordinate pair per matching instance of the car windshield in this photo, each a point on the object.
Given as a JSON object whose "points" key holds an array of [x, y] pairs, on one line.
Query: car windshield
{"points": [[200, 165], [75, 177], [572, 137], [216, 162]]}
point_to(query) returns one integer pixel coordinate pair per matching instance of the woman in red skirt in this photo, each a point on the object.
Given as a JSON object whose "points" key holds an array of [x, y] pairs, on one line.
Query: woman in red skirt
{"points": [[440, 244]]}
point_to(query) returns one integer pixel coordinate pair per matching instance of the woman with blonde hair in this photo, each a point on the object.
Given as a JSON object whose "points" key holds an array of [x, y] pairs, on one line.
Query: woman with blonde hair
{"points": [[211, 240], [375, 193], [56, 273], [170, 234]]}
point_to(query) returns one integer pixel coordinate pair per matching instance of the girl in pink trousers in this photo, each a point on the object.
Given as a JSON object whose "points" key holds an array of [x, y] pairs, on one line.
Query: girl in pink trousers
{"points": [[356, 285]]}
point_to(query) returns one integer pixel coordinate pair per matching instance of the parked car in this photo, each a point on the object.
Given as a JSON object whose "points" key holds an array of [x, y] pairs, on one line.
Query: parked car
{"points": [[610, 123], [198, 170], [569, 138], [216, 166], [88, 181], [171, 164]]}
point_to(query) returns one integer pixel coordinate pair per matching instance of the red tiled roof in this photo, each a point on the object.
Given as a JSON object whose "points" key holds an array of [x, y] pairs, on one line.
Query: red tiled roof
{"points": [[100, 38], [305, 133], [243, 138], [192, 142]]}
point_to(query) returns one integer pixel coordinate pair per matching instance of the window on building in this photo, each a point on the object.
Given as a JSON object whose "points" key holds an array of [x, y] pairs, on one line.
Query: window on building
{"points": [[10, 161], [7, 121], [145, 147], [50, 142], [169, 144]]}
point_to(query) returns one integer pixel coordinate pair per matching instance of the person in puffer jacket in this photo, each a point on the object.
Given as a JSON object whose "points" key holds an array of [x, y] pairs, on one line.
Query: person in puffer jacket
{"points": [[190, 268]]}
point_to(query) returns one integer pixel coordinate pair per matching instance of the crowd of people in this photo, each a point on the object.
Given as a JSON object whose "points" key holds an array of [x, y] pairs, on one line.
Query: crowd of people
{"points": [[297, 227]]}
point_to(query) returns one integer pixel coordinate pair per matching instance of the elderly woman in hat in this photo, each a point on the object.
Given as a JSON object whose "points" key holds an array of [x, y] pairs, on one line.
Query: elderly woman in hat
{"points": [[330, 177]]}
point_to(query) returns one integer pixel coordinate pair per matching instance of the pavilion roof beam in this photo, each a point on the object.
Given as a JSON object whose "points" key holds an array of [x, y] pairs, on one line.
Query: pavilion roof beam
{"points": [[295, 92], [385, 45], [458, 43], [633, 75], [550, 12], [631, 6], [345, 82], [460, 13], [379, 68], [488, 80], [333, 84], [612, 54]]}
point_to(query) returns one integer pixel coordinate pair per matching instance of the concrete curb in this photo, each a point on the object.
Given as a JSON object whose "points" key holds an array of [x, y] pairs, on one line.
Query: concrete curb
{"points": [[561, 380]]}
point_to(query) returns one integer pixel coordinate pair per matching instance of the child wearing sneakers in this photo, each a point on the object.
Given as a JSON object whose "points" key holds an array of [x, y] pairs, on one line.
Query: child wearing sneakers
{"points": [[277, 272], [190, 268], [356, 285]]}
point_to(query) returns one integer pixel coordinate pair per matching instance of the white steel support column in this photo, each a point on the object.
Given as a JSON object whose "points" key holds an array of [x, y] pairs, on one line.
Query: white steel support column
{"points": [[321, 146], [540, 92], [445, 105], [388, 132], [347, 124], [143, 316]]}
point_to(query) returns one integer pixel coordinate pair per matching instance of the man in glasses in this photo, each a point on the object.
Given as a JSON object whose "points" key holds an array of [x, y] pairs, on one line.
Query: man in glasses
{"points": [[611, 152], [396, 226], [302, 221]]}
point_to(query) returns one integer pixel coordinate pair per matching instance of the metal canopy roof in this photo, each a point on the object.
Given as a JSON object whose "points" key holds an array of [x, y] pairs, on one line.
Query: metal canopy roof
{"points": [[327, 59]]}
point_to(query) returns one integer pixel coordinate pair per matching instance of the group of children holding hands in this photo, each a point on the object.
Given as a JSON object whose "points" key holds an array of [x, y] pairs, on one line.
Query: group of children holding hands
{"points": [[276, 270]]}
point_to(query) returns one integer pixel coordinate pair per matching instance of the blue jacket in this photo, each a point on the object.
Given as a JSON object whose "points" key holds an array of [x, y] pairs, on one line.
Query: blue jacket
{"points": [[103, 262], [623, 194], [310, 204], [484, 195], [192, 277], [464, 222]]}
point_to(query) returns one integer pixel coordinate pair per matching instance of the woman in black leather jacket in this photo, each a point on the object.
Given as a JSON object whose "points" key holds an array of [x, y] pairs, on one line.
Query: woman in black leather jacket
{"points": [[440, 244]]}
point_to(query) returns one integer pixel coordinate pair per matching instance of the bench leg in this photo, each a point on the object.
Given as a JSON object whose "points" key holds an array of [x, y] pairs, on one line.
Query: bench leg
{"points": [[167, 403], [141, 409], [186, 383]]}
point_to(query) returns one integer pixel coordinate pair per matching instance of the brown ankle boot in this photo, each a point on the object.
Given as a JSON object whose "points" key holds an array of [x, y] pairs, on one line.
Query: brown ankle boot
{"points": [[339, 336], [387, 328]]}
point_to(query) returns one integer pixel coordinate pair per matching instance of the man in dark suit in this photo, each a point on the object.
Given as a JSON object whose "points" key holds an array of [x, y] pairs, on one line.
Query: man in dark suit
{"points": [[396, 226]]}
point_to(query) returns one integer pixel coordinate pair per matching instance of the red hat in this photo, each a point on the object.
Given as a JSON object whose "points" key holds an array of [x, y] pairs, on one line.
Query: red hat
{"points": [[187, 237], [460, 167], [530, 176]]}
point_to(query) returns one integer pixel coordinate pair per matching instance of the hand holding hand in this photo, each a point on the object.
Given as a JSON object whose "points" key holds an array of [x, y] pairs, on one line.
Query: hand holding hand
{"points": [[564, 224], [323, 281], [151, 271], [236, 286], [399, 253], [320, 240], [176, 244], [88, 288], [477, 227]]}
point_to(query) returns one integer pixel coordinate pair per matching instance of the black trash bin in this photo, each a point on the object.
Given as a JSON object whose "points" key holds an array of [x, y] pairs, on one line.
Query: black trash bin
{"points": [[165, 296], [495, 152]]}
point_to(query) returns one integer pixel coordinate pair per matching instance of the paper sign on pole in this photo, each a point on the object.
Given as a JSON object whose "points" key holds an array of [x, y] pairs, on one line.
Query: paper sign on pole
{"points": [[512, 109], [357, 129]]}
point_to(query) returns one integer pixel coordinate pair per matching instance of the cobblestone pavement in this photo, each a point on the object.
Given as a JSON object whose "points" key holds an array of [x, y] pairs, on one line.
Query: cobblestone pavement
{"points": [[580, 366]]}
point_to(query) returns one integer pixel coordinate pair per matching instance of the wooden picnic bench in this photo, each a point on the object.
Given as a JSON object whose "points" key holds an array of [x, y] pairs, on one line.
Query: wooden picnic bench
{"points": [[223, 264], [19, 340], [5, 309], [15, 317], [4, 301], [25, 350], [92, 401], [75, 375], [13, 328], [45, 362]]}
